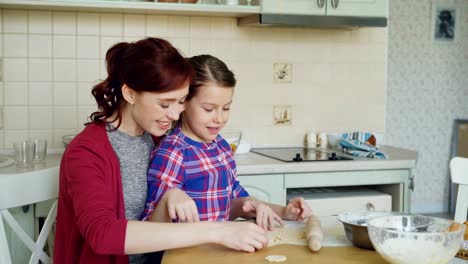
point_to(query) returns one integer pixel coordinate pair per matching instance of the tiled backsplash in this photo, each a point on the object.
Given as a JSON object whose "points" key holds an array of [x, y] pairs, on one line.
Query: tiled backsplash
{"points": [[52, 59]]}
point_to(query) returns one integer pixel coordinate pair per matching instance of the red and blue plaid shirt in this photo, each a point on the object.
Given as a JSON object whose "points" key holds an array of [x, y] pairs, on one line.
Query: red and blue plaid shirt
{"points": [[205, 171]]}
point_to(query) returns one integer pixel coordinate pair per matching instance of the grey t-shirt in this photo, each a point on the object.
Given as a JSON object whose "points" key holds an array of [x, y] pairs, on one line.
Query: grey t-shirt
{"points": [[134, 158]]}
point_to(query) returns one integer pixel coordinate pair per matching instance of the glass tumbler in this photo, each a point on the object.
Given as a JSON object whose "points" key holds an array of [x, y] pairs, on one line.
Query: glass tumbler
{"points": [[40, 150], [24, 153]]}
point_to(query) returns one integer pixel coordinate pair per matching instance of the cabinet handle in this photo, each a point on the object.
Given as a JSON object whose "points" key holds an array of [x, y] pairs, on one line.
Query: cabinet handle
{"points": [[320, 3], [335, 3], [370, 207]]}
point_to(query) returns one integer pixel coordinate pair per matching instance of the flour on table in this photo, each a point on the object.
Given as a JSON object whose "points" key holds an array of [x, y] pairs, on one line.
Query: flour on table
{"points": [[291, 233], [276, 258]]}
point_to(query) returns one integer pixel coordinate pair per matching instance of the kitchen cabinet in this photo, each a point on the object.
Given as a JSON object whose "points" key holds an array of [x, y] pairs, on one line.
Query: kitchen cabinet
{"points": [[333, 201], [268, 188], [358, 8], [142, 7], [273, 188], [397, 183]]}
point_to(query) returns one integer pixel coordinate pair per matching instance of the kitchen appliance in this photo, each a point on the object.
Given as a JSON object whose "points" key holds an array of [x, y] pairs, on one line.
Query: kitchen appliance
{"points": [[298, 154]]}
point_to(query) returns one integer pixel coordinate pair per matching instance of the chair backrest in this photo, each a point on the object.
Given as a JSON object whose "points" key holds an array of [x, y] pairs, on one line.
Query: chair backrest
{"points": [[459, 175]]}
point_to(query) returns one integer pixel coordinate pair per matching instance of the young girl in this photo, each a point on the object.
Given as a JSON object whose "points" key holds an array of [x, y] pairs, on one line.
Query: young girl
{"points": [[196, 159]]}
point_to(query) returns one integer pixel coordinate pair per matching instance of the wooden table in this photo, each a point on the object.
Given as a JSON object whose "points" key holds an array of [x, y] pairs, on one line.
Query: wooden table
{"points": [[216, 254]]}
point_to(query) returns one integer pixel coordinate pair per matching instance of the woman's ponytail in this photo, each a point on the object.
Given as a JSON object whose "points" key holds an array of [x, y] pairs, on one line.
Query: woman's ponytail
{"points": [[108, 93]]}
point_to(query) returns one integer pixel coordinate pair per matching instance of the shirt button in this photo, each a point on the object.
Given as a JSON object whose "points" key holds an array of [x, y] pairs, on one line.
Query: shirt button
{"points": [[227, 188], [220, 158]]}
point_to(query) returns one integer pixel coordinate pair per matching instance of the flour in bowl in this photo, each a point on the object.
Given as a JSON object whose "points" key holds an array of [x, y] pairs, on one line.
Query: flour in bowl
{"points": [[411, 251]]}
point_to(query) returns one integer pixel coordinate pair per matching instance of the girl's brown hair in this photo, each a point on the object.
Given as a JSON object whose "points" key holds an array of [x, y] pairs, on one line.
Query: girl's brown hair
{"points": [[209, 69], [150, 64]]}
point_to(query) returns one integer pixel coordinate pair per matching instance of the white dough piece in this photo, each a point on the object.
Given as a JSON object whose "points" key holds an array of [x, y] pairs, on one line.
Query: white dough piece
{"points": [[276, 258], [290, 233]]}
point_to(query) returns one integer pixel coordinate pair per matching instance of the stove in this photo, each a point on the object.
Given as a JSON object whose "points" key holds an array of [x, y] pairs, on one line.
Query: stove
{"points": [[298, 154]]}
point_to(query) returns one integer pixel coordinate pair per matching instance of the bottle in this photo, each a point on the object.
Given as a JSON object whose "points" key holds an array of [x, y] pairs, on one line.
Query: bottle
{"points": [[322, 138], [311, 140]]}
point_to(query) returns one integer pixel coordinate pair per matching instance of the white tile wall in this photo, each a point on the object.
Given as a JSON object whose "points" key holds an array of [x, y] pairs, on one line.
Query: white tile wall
{"points": [[40, 22], [40, 46], [52, 59], [15, 45]]}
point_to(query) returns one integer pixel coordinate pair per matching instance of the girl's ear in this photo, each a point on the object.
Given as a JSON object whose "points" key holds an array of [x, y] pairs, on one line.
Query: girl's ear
{"points": [[128, 94]]}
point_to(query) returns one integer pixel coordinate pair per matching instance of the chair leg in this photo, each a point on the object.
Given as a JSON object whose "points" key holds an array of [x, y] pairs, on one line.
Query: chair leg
{"points": [[23, 236], [50, 242], [43, 236], [462, 204], [5, 257]]}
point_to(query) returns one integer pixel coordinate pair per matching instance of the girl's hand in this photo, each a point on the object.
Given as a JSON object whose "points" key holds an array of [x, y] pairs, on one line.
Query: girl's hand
{"points": [[266, 218], [297, 210], [181, 206], [245, 236]]}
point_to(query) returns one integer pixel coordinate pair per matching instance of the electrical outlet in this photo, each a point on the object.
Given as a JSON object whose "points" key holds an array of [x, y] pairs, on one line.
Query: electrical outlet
{"points": [[282, 72], [282, 115]]}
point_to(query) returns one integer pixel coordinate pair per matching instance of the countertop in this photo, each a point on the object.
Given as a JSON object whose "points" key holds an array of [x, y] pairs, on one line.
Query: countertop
{"points": [[252, 163]]}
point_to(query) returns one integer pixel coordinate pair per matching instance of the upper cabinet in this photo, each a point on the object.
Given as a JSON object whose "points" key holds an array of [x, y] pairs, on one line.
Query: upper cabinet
{"points": [[356, 8], [294, 7], [207, 8], [363, 8]]}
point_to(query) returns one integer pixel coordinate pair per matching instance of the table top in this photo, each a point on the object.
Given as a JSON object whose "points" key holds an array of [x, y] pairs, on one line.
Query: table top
{"points": [[207, 254], [34, 184]]}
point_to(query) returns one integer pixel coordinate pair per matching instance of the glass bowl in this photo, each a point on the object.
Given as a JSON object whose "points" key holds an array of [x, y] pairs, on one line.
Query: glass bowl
{"points": [[67, 139], [408, 238], [355, 226], [233, 138]]}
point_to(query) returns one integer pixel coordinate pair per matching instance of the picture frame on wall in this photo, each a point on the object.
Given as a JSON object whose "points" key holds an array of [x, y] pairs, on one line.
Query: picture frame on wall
{"points": [[445, 22]]}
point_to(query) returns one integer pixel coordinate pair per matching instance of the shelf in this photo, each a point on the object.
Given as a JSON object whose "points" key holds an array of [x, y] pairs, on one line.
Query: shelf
{"points": [[133, 7]]}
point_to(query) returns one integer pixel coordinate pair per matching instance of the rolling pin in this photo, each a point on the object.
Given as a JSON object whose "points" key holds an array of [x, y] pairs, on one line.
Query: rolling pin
{"points": [[314, 234]]}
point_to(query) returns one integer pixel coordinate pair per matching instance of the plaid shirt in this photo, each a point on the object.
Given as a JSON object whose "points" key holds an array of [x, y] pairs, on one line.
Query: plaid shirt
{"points": [[205, 171]]}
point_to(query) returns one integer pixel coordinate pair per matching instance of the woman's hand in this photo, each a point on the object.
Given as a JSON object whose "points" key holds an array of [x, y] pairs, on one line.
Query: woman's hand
{"points": [[266, 218], [181, 206], [245, 236], [297, 210]]}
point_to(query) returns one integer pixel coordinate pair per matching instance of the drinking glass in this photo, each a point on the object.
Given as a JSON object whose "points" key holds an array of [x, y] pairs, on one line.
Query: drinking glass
{"points": [[24, 153], [40, 150]]}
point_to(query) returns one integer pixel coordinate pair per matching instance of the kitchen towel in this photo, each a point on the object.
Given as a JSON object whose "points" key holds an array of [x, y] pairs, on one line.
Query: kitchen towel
{"points": [[354, 144]]}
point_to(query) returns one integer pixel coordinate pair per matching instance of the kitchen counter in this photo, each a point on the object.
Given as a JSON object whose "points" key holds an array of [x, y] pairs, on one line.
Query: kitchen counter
{"points": [[253, 163]]}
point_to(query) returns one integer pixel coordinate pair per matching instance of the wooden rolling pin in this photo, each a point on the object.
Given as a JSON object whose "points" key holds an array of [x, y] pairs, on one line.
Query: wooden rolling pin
{"points": [[314, 233]]}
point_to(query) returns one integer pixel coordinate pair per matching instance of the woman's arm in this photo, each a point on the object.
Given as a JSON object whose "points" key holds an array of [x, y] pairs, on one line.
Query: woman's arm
{"points": [[142, 237]]}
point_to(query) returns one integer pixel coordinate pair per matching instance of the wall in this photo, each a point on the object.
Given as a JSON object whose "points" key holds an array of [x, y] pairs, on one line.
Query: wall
{"points": [[52, 59], [427, 89]]}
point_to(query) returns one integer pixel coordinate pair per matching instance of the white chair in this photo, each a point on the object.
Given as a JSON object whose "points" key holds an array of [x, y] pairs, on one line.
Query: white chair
{"points": [[459, 175], [18, 188]]}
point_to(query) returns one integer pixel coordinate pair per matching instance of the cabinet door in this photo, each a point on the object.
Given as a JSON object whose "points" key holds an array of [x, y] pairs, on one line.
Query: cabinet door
{"points": [[268, 188], [358, 8], [296, 7]]}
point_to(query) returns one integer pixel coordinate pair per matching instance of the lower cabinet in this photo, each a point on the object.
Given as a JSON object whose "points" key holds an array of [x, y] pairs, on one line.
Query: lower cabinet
{"points": [[266, 187], [331, 201], [389, 189]]}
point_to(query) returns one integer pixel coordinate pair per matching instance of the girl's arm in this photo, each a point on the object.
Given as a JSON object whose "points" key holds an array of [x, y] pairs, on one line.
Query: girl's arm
{"points": [[142, 237], [246, 207]]}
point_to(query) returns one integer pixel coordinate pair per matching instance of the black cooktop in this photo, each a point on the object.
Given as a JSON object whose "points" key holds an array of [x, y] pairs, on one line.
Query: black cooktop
{"points": [[298, 154]]}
